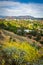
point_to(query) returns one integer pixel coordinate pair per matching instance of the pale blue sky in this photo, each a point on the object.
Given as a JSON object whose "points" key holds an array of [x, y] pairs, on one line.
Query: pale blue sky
{"points": [[21, 8]]}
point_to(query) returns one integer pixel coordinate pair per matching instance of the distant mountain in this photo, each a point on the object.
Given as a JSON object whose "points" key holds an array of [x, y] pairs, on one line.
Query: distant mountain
{"points": [[39, 18], [17, 17], [24, 17], [21, 17], [2, 16]]}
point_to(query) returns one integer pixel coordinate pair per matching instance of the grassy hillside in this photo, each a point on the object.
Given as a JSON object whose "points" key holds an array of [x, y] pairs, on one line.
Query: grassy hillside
{"points": [[17, 49]]}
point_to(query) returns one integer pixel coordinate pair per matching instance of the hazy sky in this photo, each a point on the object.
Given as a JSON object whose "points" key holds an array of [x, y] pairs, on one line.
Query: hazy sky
{"points": [[21, 8]]}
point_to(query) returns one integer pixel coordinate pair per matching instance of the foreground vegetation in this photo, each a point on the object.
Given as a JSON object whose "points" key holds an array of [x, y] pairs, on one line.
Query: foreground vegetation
{"points": [[15, 50], [19, 54]]}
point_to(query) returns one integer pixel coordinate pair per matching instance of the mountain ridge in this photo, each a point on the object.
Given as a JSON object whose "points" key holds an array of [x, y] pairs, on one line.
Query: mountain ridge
{"points": [[20, 17]]}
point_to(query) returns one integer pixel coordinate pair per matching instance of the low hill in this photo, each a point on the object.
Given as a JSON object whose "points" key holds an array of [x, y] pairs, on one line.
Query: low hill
{"points": [[10, 36]]}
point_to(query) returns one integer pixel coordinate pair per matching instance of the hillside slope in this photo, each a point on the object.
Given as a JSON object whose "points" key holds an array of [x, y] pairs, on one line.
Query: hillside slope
{"points": [[18, 50]]}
